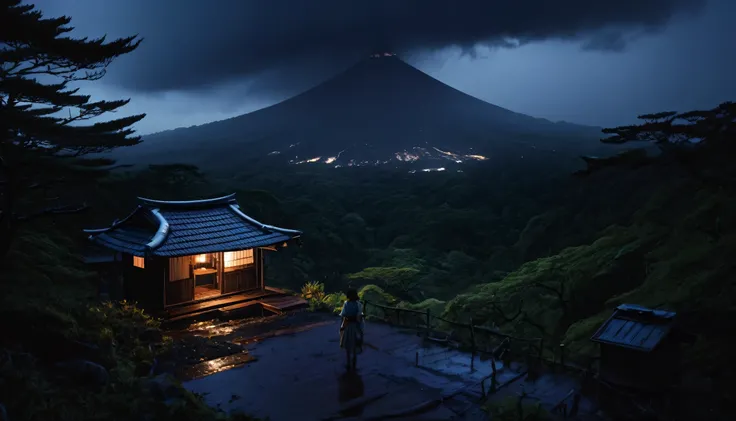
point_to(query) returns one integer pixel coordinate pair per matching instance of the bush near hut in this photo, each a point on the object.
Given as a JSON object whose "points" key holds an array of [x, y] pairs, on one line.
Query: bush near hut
{"points": [[69, 357]]}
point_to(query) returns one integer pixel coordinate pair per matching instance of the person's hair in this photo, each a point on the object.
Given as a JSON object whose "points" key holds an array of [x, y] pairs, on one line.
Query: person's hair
{"points": [[352, 295]]}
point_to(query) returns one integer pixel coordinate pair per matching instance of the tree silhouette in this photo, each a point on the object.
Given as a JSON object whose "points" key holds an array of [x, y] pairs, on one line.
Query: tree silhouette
{"points": [[42, 113], [698, 140]]}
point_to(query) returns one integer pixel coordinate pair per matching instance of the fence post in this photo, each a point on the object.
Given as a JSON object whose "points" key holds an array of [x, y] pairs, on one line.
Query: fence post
{"points": [[429, 323], [472, 336]]}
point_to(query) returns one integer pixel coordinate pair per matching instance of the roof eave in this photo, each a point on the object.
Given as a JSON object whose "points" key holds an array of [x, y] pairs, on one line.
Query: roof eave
{"points": [[201, 202], [161, 233], [114, 224], [293, 233]]}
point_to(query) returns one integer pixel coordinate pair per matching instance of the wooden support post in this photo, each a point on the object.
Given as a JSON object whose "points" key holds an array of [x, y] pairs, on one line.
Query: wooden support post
{"points": [[472, 337], [483, 388]]}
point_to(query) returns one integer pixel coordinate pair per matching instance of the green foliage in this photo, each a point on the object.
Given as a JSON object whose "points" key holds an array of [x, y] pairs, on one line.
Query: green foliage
{"points": [[677, 255], [434, 305], [313, 291], [49, 297], [377, 295], [398, 280], [33, 105]]}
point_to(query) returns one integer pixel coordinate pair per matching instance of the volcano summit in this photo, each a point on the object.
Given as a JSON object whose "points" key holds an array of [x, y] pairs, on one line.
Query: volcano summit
{"points": [[380, 111]]}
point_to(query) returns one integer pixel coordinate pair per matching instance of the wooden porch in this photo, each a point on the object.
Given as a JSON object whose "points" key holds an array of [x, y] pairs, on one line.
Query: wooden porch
{"points": [[273, 300]]}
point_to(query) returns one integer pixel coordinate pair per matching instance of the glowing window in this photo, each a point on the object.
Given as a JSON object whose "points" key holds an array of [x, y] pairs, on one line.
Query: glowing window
{"points": [[240, 258], [139, 262]]}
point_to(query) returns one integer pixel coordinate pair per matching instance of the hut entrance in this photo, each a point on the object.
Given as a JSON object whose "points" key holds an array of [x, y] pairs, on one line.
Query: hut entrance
{"points": [[205, 270]]}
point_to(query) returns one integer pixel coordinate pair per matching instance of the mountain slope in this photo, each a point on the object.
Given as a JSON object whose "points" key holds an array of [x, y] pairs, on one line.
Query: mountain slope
{"points": [[371, 112]]}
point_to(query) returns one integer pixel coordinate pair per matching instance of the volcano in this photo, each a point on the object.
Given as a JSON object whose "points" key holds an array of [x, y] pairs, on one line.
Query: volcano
{"points": [[380, 111]]}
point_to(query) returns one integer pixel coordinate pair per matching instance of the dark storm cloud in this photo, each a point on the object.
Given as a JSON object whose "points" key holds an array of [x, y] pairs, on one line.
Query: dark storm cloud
{"points": [[194, 44]]}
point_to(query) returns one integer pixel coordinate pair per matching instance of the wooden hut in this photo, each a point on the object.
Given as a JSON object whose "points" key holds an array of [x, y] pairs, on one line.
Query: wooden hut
{"points": [[639, 348], [174, 254]]}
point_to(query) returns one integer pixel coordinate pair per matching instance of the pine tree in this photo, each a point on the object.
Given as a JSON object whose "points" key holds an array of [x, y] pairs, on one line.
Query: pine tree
{"points": [[703, 142], [43, 116]]}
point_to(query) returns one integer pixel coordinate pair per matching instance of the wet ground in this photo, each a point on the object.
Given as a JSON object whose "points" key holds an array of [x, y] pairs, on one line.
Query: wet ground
{"points": [[291, 368]]}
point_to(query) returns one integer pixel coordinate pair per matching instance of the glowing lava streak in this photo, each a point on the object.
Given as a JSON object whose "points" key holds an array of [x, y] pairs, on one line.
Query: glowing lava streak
{"points": [[332, 159], [309, 161]]}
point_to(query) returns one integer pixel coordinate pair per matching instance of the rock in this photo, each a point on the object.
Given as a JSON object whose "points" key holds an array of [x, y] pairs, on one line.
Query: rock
{"points": [[164, 387], [85, 371], [151, 335]]}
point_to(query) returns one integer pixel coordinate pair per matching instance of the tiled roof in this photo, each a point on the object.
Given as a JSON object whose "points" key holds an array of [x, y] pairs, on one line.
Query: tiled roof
{"points": [[170, 229], [635, 327]]}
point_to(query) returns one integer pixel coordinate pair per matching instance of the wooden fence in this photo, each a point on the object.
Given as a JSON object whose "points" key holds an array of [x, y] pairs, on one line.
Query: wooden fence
{"points": [[480, 339], [531, 348]]}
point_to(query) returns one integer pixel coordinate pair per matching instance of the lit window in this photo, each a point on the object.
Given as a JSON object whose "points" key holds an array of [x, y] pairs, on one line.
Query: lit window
{"points": [[240, 258], [139, 262], [201, 258]]}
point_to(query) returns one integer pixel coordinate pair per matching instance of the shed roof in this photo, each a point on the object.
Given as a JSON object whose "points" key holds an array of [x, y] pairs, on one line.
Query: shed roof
{"points": [[181, 228], [635, 327]]}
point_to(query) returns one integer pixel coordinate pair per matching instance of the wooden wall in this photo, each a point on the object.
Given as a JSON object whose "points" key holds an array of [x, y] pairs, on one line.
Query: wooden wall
{"points": [[151, 289], [144, 286], [240, 280], [637, 369]]}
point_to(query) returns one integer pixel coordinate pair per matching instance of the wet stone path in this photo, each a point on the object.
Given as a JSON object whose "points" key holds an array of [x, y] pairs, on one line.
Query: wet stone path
{"points": [[291, 368]]}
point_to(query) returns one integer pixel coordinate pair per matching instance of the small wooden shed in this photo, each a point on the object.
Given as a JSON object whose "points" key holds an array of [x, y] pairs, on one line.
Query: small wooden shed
{"points": [[639, 348], [178, 252]]}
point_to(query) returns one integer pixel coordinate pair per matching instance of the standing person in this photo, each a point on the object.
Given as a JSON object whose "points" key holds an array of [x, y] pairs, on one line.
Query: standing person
{"points": [[351, 329]]}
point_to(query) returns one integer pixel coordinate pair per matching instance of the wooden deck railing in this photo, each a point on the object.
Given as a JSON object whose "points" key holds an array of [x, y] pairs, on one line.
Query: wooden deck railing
{"points": [[425, 320], [532, 347], [433, 324]]}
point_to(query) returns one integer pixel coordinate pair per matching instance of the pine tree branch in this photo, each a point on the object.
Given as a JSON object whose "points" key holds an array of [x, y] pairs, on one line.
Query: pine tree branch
{"points": [[58, 210]]}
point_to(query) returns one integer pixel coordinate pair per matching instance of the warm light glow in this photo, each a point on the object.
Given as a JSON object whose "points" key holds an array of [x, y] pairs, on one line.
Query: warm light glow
{"points": [[478, 157], [238, 258], [200, 258], [330, 160], [139, 262]]}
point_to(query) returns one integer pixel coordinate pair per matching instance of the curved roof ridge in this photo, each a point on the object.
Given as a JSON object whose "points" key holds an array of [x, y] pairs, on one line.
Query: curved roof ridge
{"points": [[222, 200], [236, 208], [115, 224], [161, 233]]}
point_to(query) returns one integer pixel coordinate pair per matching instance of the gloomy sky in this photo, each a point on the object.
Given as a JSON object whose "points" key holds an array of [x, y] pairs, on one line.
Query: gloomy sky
{"points": [[590, 62]]}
